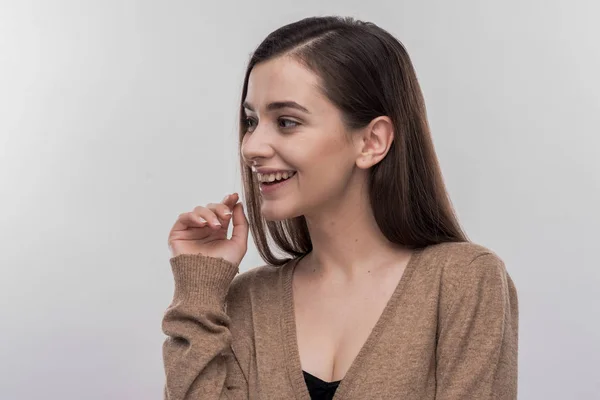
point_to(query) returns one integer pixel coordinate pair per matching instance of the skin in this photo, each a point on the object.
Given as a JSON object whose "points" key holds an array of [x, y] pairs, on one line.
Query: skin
{"points": [[343, 285]]}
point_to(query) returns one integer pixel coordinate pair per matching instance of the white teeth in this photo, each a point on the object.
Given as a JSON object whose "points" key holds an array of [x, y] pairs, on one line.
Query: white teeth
{"points": [[273, 177]]}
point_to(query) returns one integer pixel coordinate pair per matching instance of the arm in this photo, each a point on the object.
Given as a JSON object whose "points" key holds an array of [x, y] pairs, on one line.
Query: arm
{"points": [[198, 360], [478, 333]]}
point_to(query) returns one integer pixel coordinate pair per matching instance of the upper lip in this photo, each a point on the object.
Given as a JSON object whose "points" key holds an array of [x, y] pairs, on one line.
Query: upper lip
{"points": [[266, 170]]}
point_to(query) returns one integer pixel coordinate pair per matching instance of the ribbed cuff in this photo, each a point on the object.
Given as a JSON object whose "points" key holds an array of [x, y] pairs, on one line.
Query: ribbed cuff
{"points": [[202, 279]]}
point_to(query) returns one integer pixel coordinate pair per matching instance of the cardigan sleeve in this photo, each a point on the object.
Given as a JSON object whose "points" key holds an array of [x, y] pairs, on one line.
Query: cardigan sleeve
{"points": [[198, 359], [478, 333]]}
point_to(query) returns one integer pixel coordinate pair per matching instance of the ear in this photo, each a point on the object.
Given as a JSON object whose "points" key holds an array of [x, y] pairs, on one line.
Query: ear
{"points": [[375, 142]]}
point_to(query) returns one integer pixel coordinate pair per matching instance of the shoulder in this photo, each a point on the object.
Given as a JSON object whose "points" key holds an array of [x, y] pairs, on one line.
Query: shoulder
{"points": [[457, 253], [252, 279], [253, 285], [461, 266], [461, 258], [469, 277], [254, 295]]}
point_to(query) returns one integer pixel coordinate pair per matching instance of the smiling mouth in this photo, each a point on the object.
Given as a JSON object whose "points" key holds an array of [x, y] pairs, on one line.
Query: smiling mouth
{"points": [[266, 188], [275, 182]]}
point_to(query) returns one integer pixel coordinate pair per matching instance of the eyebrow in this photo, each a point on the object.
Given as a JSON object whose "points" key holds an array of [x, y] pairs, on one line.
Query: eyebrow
{"points": [[277, 105]]}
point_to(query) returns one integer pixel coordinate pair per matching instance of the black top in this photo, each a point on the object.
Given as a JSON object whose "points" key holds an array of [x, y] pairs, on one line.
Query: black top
{"points": [[319, 389]]}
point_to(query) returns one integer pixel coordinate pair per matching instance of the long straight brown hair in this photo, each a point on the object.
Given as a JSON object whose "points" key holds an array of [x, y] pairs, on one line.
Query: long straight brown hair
{"points": [[366, 73]]}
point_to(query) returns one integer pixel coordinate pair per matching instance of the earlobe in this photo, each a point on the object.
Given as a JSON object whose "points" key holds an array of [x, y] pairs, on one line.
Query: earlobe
{"points": [[365, 160]]}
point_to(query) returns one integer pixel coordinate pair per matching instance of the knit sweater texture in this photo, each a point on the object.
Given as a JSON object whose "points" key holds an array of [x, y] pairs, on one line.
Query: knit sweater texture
{"points": [[448, 332]]}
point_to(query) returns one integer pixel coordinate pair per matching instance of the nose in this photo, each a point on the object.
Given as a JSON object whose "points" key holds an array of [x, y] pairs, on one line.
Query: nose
{"points": [[257, 145]]}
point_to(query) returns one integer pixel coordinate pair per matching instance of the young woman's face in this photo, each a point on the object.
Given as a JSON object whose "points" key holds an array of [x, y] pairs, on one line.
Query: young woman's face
{"points": [[305, 135]]}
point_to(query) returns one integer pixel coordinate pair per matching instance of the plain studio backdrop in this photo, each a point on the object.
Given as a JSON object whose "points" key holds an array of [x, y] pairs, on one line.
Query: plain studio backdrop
{"points": [[117, 116]]}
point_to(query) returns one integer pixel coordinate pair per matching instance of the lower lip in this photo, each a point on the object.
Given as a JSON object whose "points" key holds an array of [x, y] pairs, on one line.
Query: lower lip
{"points": [[271, 188]]}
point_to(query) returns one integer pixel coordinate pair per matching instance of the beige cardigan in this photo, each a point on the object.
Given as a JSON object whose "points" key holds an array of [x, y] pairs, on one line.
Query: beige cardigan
{"points": [[449, 331]]}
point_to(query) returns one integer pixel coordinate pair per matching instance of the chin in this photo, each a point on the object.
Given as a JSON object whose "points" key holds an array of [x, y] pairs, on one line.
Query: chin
{"points": [[276, 213]]}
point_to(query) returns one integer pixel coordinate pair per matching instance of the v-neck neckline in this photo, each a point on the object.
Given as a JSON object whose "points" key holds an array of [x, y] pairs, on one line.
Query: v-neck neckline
{"points": [[290, 339]]}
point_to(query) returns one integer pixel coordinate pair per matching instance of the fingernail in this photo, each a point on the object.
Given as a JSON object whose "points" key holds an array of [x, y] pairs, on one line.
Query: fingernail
{"points": [[225, 199], [228, 212], [216, 222], [202, 219]]}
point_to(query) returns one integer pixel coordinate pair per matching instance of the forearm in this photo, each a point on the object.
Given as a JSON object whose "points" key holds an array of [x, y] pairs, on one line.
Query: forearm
{"points": [[198, 332]]}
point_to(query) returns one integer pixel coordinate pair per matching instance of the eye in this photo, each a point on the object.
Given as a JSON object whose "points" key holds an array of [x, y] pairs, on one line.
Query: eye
{"points": [[285, 123], [250, 124]]}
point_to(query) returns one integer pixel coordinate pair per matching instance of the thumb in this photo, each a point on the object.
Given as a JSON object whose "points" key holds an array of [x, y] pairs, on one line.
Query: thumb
{"points": [[239, 234]]}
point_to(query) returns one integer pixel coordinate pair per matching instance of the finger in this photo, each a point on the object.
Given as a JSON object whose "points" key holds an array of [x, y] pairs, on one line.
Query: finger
{"points": [[191, 234], [190, 219], [222, 212], [209, 215], [230, 200], [240, 226]]}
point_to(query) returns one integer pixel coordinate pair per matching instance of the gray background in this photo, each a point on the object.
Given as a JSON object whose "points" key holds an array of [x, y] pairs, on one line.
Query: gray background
{"points": [[116, 116]]}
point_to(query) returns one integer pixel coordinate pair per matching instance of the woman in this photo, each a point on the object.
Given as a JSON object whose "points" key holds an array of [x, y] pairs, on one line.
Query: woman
{"points": [[383, 296]]}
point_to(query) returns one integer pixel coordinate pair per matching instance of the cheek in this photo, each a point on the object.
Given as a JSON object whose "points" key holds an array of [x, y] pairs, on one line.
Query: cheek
{"points": [[336, 154], [326, 165]]}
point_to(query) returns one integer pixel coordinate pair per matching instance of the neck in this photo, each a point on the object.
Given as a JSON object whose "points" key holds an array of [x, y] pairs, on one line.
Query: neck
{"points": [[347, 240]]}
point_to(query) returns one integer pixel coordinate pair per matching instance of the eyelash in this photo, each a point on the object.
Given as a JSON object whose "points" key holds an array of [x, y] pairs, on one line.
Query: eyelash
{"points": [[253, 120]]}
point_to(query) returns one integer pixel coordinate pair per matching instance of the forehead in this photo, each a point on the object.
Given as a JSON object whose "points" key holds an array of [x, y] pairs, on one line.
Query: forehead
{"points": [[283, 79]]}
